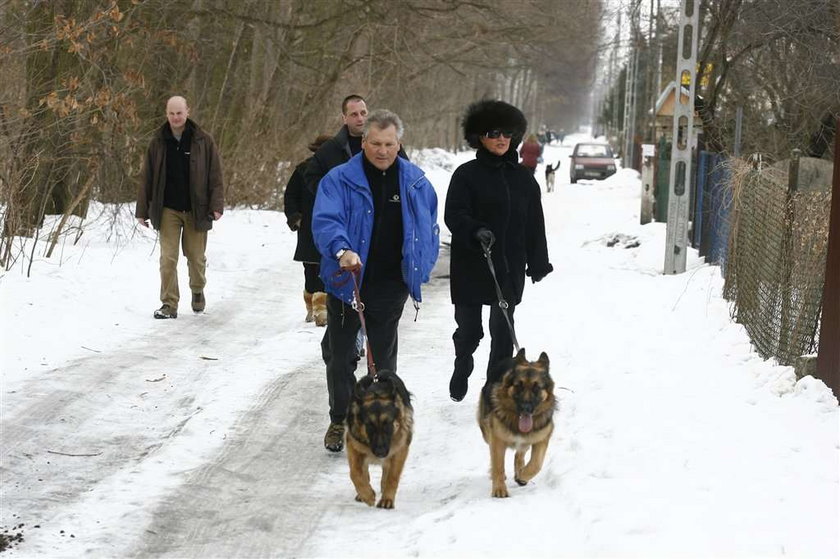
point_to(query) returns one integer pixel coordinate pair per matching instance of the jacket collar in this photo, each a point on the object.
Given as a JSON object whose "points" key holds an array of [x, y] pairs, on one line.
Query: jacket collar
{"points": [[165, 132], [354, 172], [491, 160], [343, 139]]}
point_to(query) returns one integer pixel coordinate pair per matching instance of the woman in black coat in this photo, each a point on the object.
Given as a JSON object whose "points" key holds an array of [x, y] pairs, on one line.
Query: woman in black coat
{"points": [[297, 205], [492, 201]]}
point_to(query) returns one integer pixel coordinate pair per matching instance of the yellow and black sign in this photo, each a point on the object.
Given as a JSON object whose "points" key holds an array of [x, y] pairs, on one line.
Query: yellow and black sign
{"points": [[703, 77]]}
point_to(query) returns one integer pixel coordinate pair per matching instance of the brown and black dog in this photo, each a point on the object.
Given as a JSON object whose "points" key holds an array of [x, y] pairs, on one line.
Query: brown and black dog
{"points": [[380, 424], [517, 412]]}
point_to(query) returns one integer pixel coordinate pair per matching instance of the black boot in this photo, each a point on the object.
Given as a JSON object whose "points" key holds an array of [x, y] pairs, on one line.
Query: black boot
{"points": [[458, 384]]}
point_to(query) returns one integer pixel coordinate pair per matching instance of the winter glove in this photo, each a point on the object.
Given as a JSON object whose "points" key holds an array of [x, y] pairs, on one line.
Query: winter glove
{"points": [[539, 275], [485, 237], [294, 221]]}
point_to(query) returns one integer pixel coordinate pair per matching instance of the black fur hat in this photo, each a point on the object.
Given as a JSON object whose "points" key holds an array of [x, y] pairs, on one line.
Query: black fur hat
{"points": [[486, 115]]}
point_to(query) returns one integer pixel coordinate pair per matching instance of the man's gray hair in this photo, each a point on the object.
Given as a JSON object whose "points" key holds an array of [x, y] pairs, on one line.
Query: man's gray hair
{"points": [[383, 118]]}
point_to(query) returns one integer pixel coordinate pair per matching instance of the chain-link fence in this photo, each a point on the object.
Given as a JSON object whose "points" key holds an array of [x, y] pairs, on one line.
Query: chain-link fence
{"points": [[776, 260]]}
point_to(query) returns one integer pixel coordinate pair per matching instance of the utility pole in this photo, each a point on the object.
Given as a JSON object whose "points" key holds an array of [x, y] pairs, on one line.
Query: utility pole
{"points": [[656, 69], [614, 64], [828, 358], [676, 232], [630, 87]]}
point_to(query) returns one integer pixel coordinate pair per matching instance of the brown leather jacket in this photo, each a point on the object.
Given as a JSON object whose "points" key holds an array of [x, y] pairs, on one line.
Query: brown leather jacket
{"points": [[206, 188]]}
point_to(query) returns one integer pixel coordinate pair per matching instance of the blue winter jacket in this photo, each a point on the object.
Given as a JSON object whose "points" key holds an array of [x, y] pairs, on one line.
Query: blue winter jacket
{"points": [[343, 218]]}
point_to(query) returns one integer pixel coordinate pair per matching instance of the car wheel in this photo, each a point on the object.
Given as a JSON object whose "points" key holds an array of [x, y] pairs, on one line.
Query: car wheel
{"points": [[574, 179]]}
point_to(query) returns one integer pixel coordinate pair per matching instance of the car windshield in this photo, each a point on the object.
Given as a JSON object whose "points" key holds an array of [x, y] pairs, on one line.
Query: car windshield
{"points": [[593, 150]]}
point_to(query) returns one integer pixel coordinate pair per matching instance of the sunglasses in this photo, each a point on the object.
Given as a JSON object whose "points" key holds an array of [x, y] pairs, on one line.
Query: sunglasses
{"points": [[493, 134]]}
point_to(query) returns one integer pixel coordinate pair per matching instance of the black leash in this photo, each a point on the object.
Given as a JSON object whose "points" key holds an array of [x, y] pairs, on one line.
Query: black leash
{"points": [[502, 303]]}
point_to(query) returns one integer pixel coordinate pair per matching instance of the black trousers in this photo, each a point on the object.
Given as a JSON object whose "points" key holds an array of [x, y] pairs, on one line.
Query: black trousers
{"points": [[311, 282], [383, 309], [469, 332]]}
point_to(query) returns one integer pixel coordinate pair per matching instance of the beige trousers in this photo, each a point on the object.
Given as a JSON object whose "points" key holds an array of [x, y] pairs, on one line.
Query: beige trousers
{"points": [[179, 228]]}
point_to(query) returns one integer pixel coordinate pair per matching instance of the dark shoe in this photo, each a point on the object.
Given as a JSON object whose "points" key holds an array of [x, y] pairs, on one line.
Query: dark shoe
{"points": [[460, 378], [198, 302], [334, 439], [458, 387], [166, 312]]}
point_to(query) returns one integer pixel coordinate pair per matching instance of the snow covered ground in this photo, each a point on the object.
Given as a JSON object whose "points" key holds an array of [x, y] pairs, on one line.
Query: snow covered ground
{"points": [[202, 437]]}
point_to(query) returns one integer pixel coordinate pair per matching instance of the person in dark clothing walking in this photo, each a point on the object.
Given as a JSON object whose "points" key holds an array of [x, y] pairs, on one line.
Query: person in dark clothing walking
{"points": [[182, 194], [377, 214], [297, 205], [340, 148], [493, 202]]}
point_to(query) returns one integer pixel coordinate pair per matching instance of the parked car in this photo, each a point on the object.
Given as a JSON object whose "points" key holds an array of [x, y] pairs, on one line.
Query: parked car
{"points": [[591, 161]]}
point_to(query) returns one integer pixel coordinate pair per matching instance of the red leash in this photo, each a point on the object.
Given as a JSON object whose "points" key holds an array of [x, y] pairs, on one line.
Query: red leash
{"points": [[360, 308]]}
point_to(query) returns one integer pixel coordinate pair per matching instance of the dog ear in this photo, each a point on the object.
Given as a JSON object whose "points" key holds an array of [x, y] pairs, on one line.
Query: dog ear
{"points": [[361, 387], [520, 356], [392, 386], [507, 378], [543, 359]]}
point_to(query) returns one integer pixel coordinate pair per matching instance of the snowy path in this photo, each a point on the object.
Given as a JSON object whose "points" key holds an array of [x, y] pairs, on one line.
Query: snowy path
{"points": [[204, 433], [255, 498]]}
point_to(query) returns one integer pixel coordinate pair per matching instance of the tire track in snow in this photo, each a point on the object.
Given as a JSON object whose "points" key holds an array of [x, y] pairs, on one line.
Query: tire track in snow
{"points": [[130, 407], [255, 498]]}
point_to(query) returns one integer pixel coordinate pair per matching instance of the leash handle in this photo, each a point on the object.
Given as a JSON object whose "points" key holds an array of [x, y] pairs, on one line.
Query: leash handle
{"points": [[359, 307], [502, 303]]}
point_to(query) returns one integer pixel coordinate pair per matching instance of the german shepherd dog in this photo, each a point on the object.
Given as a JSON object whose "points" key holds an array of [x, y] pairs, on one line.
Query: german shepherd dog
{"points": [[380, 424], [517, 412]]}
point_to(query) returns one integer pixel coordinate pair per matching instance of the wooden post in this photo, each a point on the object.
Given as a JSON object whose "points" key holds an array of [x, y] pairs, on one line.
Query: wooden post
{"points": [[828, 358]]}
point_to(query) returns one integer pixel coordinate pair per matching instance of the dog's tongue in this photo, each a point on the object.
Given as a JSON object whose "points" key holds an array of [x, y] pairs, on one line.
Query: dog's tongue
{"points": [[526, 423]]}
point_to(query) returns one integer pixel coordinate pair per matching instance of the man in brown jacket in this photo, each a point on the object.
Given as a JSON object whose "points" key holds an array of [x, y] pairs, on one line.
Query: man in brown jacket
{"points": [[181, 193]]}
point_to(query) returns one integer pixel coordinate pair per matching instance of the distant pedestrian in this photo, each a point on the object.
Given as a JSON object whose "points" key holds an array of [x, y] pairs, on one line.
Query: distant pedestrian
{"points": [[531, 152], [493, 203], [181, 192], [297, 205]]}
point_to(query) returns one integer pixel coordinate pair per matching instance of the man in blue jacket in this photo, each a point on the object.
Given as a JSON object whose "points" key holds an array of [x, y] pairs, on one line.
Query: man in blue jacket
{"points": [[377, 213]]}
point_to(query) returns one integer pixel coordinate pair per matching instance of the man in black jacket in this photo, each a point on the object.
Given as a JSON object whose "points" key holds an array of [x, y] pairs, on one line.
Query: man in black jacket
{"points": [[344, 145]]}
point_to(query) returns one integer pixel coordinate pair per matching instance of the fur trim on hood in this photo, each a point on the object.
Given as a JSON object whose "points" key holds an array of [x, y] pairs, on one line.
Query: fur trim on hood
{"points": [[488, 114], [313, 147]]}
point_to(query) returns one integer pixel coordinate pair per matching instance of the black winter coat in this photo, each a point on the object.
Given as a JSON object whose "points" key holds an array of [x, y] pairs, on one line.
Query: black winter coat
{"points": [[332, 153], [500, 194], [297, 204]]}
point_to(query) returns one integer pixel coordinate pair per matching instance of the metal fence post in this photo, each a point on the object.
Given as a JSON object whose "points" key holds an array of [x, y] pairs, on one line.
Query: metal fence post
{"points": [[739, 119], [828, 356], [648, 162], [700, 199], [787, 259]]}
